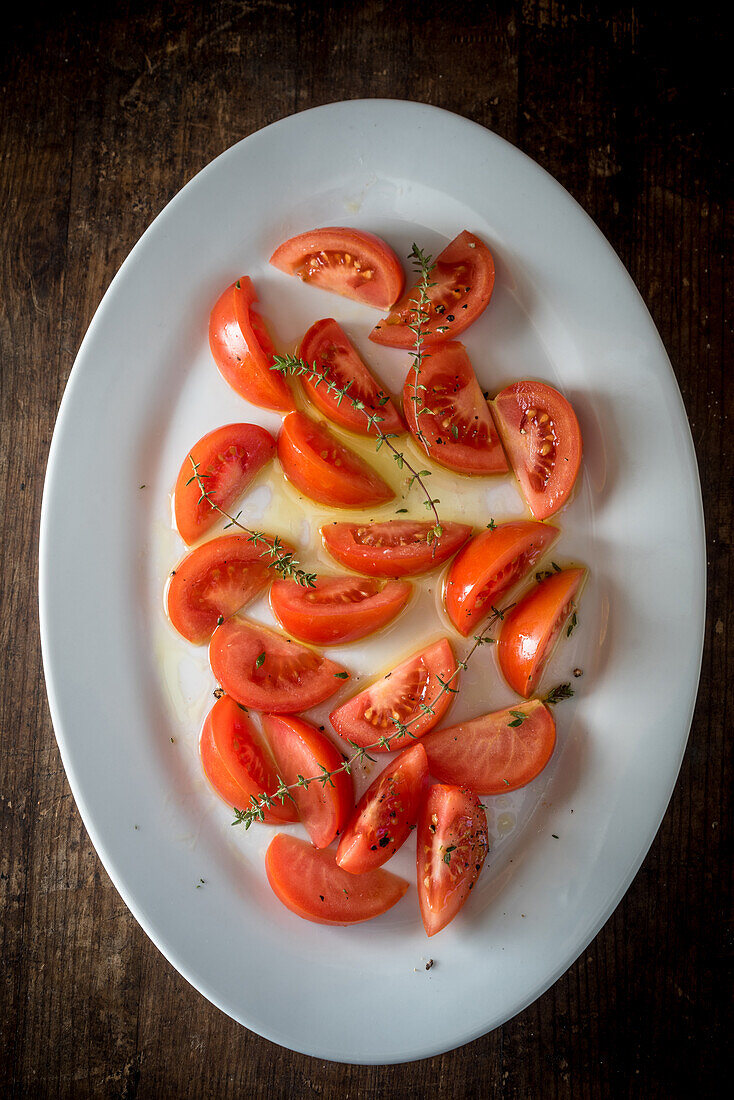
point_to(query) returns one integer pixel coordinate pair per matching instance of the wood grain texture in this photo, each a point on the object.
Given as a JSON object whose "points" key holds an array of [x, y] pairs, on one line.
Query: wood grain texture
{"points": [[106, 113]]}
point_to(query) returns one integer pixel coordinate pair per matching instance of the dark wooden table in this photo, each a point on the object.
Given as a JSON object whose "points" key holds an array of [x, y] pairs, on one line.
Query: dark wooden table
{"points": [[104, 118]]}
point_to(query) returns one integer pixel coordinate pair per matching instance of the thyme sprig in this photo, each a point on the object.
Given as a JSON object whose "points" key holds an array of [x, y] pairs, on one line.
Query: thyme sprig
{"points": [[423, 266]]}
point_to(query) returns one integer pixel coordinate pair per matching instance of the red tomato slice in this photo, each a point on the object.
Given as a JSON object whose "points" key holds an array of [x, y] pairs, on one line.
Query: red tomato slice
{"points": [[337, 609], [328, 351], [370, 716], [543, 442], [309, 883], [301, 750], [349, 262], [267, 671], [464, 280], [385, 813], [489, 566], [396, 548], [324, 469], [496, 753], [531, 629], [447, 413], [243, 350], [452, 844], [228, 459], [236, 762]]}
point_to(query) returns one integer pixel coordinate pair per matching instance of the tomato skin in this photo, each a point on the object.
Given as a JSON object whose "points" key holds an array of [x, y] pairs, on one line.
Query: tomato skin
{"points": [[350, 262], [309, 883], [458, 431], [236, 763], [243, 350], [385, 813], [290, 676], [324, 469], [228, 459], [531, 629], [452, 823], [300, 749], [495, 753], [367, 716], [326, 348], [465, 262], [530, 417], [395, 548], [337, 609], [488, 566]]}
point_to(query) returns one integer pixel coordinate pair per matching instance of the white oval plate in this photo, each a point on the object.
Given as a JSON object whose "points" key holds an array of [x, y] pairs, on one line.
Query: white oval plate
{"points": [[121, 685]]}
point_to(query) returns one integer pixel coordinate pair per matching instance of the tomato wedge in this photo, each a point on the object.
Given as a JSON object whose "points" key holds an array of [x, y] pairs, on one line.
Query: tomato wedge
{"points": [[213, 581], [227, 459], [236, 762], [337, 609], [267, 671], [243, 350], [396, 548], [301, 750], [326, 348], [496, 753], [350, 262], [531, 629], [448, 415], [452, 844], [385, 814], [543, 442], [490, 565], [309, 883], [368, 719], [464, 279], [324, 469]]}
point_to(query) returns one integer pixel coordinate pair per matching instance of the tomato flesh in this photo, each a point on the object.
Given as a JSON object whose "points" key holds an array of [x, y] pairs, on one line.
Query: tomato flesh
{"points": [[488, 566], [368, 719], [267, 671], [452, 844], [542, 438], [396, 548], [349, 262], [448, 415], [531, 629], [337, 609], [324, 469], [464, 279], [243, 350], [385, 813], [227, 460], [309, 883]]}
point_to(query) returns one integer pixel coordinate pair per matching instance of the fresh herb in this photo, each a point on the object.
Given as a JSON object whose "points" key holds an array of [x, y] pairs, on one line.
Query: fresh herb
{"points": [[557, 694], [519, 717], [260, 660], [572, 624]]}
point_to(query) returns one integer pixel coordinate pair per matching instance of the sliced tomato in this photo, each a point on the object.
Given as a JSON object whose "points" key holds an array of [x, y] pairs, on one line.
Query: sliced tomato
{"points": [[496, 753], [543, 442], [337, 609], [243, 350], [452, 843], [309, 883], [350, 262], [236, 762], [267, 671], [490, 565], [301, 750], [227, 460], [395, 548], [463, 278], [326, 348], [324, 469], [385, 814], [368, 719], [448, 415], [531, 629]]}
